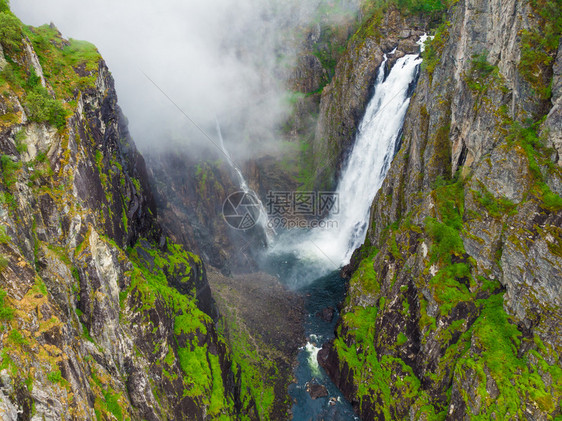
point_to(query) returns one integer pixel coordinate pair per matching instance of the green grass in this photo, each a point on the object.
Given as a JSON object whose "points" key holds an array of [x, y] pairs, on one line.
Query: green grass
{"points": [[445, 229], [447, 289], [250, 361], [16, 337], [6, 312], [446, 240], [195, 367], [60, 60], [4, 6], [20, 138], [110, 403], [499, 339], [423, 7]]}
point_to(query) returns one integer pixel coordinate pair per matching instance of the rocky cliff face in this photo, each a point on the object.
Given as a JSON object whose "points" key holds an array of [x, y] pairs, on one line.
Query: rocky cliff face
{"points": [[453, 308], [190, 193], [101, 316]]}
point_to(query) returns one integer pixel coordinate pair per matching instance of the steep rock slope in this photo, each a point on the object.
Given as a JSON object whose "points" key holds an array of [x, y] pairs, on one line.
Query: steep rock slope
{"points": [[190, 191], [453, 309], [101, 316]]}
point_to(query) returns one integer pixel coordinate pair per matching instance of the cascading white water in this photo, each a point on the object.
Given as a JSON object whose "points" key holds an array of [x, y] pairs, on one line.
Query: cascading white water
{"points": [[263, 218], [365, 170]]}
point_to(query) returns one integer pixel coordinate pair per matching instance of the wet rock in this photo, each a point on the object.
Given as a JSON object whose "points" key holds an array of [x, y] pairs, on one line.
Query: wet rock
{"points": [[345, 98], [400, 325], [316, 390], [326, 314]]}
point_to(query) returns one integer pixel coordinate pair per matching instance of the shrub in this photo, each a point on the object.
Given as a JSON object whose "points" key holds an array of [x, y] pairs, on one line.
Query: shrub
{"points": [[54, 376], [44, 109], [10, 32], [479, 71], [423, 6], [20, 137], [9, 169], [6, 313]]}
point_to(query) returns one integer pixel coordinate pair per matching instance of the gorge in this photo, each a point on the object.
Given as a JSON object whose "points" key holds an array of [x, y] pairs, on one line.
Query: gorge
{"points": [[434, 293]]}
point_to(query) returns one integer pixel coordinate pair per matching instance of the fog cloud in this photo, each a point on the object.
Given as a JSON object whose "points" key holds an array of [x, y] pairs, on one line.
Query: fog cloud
{"points": [[214, 58]]}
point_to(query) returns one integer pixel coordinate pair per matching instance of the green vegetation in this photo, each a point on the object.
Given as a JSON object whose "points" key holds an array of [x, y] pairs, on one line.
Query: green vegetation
{"points": [[434, 48], [42, 108], [149, 282], [539, 46], [445, 232], [201, 173], [482, 74], [249, 359], [41, 168], [4, 5], [16, 337], [112, 402], [6, 312], [306, 174], [55, 376], [20, 137], [497, 208], [425, 7], [372, 373], [10, 169], [374, 11], [329, 49], [69, 66], [499, 339], [538, 161], [4, 237], [10, 32], [57, 59]]}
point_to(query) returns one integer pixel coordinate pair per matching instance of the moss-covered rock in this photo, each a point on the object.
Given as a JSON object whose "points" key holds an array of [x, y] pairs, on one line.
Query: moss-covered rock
{"points": [[453, 309], [102, 317]]}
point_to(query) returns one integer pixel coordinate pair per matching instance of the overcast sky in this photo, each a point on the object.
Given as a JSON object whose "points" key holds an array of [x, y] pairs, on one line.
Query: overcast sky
{"points": [[212, 57]]}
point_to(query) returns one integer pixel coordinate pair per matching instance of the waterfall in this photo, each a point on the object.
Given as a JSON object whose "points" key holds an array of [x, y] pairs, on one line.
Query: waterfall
{"points": [[262, 220], [364, 172]]}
